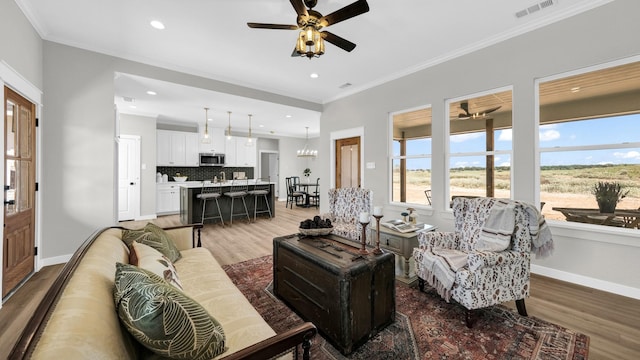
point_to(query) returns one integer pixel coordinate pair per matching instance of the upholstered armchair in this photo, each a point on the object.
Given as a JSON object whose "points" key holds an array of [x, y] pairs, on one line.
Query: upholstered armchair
{"points": [[486, 260], [345, 206]]}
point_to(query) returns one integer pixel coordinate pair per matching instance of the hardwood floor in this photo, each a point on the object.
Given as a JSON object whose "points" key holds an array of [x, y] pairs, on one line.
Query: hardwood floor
{"points": [[611, 321]]}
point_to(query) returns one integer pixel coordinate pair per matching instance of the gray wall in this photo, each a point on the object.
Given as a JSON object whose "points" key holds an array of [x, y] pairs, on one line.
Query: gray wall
{"points": [[20, 44], [603, 258], [145, 127], [78, 143]]}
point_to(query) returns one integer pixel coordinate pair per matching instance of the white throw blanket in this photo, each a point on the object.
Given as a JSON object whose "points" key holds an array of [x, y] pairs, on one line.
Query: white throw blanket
{"points": [[443, 264], [542, 242], [498, 228]]}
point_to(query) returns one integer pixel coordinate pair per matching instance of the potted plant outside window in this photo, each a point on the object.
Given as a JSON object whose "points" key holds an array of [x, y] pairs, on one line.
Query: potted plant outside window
{"points": [[608, 195]]}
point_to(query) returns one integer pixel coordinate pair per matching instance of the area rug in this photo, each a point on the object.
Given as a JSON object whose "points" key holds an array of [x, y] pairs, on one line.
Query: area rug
{"points": [[426, 327]]}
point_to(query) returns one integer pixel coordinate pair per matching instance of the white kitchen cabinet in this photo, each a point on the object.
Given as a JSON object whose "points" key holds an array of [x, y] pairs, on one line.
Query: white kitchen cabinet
{"points": [[176, 148], [238, 154], [216, 142], [167, 198]]}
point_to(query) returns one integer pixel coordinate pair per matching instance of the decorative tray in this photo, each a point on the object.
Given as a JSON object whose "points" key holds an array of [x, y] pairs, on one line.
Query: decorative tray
{"points": [[315, 232]]}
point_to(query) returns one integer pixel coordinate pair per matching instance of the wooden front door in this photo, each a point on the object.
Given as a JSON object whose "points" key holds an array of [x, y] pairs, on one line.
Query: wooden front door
{"points": [[19, 190], [348, 162]]}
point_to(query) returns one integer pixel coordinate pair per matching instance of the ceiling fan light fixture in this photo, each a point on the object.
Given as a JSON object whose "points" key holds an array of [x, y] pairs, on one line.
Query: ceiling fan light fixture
{"points": [[309, 35], [310, 42]]}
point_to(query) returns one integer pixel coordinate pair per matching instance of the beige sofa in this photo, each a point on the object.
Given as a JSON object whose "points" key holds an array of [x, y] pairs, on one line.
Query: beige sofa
{"points": [[77, 317]]}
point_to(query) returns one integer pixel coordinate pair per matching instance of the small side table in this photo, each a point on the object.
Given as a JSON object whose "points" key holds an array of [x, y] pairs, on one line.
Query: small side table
{"points": [[401, 244]]}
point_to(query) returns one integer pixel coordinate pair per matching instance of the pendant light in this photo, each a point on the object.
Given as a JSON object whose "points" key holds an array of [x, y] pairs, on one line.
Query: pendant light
{"points": [[249, 139], [228, 132], [305, 152], [205, 137]]}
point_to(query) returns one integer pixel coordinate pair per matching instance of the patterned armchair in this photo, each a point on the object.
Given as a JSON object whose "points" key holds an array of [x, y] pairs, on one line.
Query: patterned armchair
{"points": [[345, 206], [486, 260]]}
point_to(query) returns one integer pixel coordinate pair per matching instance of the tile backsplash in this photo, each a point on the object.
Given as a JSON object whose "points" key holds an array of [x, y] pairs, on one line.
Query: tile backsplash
{"points": [[203, 173]]}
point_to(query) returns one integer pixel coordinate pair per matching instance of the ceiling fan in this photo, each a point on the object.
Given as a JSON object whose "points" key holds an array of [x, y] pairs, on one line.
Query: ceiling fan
{"points": [[310, 22], [477, 115]]}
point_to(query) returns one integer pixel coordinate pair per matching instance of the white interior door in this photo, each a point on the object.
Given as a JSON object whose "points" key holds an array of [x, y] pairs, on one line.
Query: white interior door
{"points": [[128, 177]]}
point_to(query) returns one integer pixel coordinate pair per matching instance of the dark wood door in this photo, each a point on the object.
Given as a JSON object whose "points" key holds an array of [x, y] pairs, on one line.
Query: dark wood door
{"points": [[348, 162], [19, 190]]}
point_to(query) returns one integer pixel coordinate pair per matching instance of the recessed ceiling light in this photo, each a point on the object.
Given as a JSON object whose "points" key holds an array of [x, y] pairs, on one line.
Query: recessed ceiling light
{"points": [[288, 116], [210, 119], [314, 75], [575, 89], [157, 24], [151, 92], [133, 106], [261, 125]]}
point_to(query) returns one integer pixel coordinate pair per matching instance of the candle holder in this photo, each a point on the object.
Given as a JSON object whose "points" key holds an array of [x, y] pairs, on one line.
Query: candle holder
{"points": [[363, 249], [377, 250]]}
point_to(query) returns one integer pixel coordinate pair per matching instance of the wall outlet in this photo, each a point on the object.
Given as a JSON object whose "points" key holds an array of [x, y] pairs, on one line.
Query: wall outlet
{"points": [[371, 165]]}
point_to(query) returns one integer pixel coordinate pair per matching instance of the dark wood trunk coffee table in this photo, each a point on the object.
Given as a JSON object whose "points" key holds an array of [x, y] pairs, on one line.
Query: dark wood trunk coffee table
{"points": [[347, 296]]}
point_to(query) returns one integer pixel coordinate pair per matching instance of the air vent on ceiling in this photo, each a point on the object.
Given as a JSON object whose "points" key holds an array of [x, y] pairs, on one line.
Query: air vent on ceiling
{"points": [[345, 85], [535, 8], [128, 99], [546, 3]]}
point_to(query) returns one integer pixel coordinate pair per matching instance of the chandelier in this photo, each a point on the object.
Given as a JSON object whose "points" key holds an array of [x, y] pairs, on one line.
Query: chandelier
{"points": [[310, 42], [305, 152]]}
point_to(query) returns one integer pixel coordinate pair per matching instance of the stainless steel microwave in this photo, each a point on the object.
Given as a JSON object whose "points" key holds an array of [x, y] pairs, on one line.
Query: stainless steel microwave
{"points": [[211, 159]]}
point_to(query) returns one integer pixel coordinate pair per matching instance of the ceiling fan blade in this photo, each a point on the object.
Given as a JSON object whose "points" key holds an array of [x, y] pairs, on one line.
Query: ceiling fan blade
{"points": [[298, 5], [347, 12], [465, 107], [272, 26], [338, 41], [492, 110]]}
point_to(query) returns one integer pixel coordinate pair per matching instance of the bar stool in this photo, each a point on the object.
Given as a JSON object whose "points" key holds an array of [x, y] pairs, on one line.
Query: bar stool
{"points": [[239, 189], [261, 188], [210, 193]]}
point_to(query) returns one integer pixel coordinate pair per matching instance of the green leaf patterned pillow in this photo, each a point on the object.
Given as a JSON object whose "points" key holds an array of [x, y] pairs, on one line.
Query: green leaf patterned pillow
{"points": [[162, 318], [153, 236]]}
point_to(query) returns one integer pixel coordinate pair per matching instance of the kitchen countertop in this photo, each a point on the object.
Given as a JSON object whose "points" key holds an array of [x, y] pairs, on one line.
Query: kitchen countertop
{"points": [[198, 184]]}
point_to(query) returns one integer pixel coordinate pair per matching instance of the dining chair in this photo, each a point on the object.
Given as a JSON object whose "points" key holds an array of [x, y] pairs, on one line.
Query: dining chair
{"points": [[293, 195], [314, 197]]}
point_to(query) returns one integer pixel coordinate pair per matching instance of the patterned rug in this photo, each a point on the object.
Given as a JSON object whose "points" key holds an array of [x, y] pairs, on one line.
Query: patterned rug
{"points": [[426, 327]]}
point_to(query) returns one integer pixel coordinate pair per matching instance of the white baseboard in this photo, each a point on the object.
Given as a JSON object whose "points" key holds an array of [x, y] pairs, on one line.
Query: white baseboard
{"points": [[147, 217], [54, 260], [607, 286]]}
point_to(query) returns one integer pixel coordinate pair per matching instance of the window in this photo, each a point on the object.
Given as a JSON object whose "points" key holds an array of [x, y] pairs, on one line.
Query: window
{"points": [[480, 145], [589, 134], [411, 157]]}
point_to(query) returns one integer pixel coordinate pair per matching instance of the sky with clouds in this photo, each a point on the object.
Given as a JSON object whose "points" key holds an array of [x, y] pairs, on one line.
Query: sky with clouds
{"points": [[605, 131]]}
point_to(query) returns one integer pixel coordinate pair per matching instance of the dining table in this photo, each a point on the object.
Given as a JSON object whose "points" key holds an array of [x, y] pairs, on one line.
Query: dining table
{"points": [[626, 218], [305, 187]]}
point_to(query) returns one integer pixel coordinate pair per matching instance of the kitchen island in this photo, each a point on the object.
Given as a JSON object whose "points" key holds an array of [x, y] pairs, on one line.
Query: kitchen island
{"points": [[191, 206]]}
